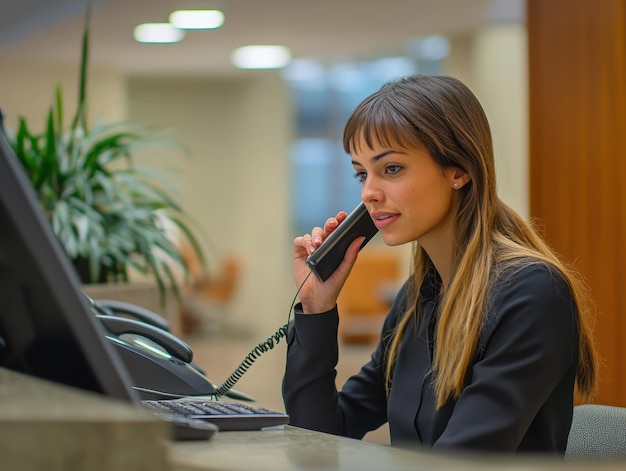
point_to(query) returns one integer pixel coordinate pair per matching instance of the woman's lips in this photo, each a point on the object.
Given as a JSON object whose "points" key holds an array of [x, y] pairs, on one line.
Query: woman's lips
{"points": [[382, 220]]}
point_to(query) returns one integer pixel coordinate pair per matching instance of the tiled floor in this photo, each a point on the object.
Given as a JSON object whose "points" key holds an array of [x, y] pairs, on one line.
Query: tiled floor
{"points": [[220, 356]]}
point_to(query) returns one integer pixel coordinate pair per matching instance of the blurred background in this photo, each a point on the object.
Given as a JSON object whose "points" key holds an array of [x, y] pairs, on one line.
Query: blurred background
{"points": [[261, 160]]}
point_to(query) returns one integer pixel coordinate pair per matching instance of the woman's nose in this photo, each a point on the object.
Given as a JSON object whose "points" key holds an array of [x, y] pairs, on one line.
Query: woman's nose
{"points": [[371, 191]]}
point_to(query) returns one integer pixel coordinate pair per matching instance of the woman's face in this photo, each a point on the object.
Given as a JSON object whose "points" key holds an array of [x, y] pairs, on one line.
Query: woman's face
{"points": [[407, 194]]}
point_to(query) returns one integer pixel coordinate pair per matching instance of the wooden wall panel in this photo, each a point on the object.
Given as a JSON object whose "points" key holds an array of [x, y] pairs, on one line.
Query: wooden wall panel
{"points": [[577, 94]]}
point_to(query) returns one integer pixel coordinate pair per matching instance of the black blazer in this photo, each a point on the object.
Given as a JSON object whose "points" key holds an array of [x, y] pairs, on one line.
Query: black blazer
{"points": [[519, 390]]}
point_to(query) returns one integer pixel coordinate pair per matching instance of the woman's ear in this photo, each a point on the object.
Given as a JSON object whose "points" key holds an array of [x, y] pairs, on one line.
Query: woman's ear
{"points": [[459, 177]]}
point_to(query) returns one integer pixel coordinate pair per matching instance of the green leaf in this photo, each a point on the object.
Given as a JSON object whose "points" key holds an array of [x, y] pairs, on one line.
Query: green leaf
{"points": [[50, 172], [59, 110], [80, 117]]}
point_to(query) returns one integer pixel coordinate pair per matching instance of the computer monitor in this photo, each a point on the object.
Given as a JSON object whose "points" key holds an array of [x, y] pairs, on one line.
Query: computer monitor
{"points": [[47, 327]]}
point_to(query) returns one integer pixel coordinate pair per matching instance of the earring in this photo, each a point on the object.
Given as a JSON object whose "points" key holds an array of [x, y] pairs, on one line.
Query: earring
{"points": [[456, 185]]}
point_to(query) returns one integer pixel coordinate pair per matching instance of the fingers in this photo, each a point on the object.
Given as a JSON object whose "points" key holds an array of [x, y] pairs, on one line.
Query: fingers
{"points": [[311, 242], [308, 242], [331, 224], [352, 251], [316, 296]]}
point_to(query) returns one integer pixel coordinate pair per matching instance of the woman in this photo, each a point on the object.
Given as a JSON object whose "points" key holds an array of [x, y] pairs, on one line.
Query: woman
{"points": [[487, 339]]}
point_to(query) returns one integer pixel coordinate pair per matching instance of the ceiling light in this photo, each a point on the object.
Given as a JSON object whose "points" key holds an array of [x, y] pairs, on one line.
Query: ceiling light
{"points": [[197, 19], [261, 57], [160, 33]]}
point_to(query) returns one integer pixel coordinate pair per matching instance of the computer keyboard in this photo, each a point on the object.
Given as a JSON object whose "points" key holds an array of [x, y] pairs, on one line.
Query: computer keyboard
{"points": [[226, 415]]}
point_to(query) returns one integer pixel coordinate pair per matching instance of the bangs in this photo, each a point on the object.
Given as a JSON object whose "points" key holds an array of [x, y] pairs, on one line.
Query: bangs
{"points": [[378, 122]]}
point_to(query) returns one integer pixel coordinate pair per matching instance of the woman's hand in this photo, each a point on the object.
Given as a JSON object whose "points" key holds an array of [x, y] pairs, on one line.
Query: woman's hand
{"points": [[316, 296]]}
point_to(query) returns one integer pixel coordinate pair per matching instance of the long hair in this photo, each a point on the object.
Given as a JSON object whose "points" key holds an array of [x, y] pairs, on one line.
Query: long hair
{"points": [[441, 114]]}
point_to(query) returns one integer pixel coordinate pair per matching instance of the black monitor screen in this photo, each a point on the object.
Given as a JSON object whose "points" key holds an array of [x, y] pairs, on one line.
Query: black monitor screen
{"points": [[47, 327]]}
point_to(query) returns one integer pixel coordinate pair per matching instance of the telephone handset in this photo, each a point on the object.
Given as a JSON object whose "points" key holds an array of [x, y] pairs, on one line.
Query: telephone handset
{"points": [[159, 363], [124, 309], [115, 307], [169, 343], [328, 256]]}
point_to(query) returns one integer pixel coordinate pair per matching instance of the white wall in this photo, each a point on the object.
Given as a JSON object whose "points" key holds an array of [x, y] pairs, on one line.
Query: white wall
{"points": [[28, 90], [493, 63], [235, 179]]}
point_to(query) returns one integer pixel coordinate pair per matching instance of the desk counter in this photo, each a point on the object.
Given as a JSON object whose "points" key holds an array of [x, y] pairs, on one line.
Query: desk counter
{"points": [[291, 448], [52, 427]]}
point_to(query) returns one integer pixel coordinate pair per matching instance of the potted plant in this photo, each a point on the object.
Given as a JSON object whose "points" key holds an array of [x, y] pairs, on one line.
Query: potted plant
{"points": [[109, 214]]}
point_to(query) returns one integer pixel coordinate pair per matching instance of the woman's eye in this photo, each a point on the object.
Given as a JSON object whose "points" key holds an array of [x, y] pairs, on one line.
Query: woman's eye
{"points": [[360, 176], [393, 169]]}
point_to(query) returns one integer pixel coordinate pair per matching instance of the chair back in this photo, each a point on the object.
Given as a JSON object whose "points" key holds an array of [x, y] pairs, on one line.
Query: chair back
{"points": [[598, 432]]}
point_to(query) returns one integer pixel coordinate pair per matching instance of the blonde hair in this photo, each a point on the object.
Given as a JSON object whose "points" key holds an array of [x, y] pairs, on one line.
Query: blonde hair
{"points": [[441, 114]]}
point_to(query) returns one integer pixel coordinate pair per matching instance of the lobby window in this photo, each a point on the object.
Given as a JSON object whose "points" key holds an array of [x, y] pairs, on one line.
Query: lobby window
{"points": [[323, 180]]}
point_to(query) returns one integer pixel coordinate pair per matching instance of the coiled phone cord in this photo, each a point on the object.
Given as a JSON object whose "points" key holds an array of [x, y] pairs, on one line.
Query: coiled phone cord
{"points": [[265, 346]]}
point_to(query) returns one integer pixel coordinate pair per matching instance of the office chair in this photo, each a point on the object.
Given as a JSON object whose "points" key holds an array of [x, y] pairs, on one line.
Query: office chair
{"points": [[598, 432], [367, 295]]}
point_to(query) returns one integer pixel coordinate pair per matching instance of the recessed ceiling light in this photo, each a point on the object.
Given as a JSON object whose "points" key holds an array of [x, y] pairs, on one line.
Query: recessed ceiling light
{"points": [[197, 19], [261, 57], [160, 33]]}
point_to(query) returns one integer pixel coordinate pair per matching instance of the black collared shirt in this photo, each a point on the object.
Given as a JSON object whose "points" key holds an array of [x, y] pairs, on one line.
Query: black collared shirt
{"points": [[519, 390]]}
